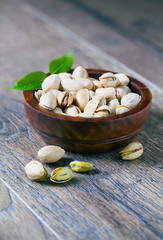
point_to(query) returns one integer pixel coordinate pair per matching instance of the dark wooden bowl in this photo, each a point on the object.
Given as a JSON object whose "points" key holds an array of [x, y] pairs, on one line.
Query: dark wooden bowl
{"points": [[89, 135]]}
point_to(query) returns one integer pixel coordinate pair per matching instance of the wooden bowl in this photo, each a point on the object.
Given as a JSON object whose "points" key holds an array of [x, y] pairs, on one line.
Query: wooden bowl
{"points": [[89, 135]]}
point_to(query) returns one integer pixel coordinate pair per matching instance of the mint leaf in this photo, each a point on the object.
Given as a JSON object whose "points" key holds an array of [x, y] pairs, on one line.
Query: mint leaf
{"points": [[31, 81], [62, 64]]}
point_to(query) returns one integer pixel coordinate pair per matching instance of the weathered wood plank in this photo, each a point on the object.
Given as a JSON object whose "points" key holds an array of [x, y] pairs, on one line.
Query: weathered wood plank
{"points": [[17, 221], [114, 27], [118, 200]]}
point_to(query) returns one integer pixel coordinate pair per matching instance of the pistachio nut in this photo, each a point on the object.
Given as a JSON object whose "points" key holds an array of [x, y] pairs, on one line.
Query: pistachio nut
{"points": [[91, 106], [123, 79], [79, 166], [71, 85], [58, 110], [131, 100], [82, 98], [102, 111], [109, 80], [38, 94], [65, 76], [96, 84], [85, 83], [61, 175], [108, 93], [48, 101], [65, 99], [80, 72], [72, 110], [51, 82], [132, 151], [36, 171], [121, 109], [112, 105], [51, 153], [121, 91]]}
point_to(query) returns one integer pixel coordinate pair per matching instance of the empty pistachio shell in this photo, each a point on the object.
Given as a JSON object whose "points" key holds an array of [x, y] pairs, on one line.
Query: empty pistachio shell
{"points": [[121, 91], [131, 100], [38, 94], [132, 151], [108, 93], [80, 72], [113, 104], [109, 80], [48, 101], [79, 166], [72, 110], [51, 153], [51, 82], [82, 98], [123, 79], [91, 106], [61, 175], [58, 110], [65, 99], [36, 171], [121, 109], [71, 85]]}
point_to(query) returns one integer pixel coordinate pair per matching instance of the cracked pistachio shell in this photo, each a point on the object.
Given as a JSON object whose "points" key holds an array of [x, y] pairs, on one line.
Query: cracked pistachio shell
{"points": [[80, 72], [65, 75], [58, 110], [48, 101], [72, 110], [65, 99], [36, 171], [121, 109], [109, 80], [82, 98], [71, 85], [131, 100], [51, 153], [123, 79], [85, 83], [51, 82], [102, 111], [61, 175], [108, 93], [78, 166], [96, 84], [132, 151], [113, 104], [38, 94], [91, 106], [121, 91]]}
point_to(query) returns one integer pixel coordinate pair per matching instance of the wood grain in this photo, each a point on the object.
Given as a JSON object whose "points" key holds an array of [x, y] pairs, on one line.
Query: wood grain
{"points": [[117, 200], [129, 31]]}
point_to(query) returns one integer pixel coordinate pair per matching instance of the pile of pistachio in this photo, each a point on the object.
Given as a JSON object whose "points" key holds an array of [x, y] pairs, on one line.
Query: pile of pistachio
{"points": [[36, 171], [77, 94]]}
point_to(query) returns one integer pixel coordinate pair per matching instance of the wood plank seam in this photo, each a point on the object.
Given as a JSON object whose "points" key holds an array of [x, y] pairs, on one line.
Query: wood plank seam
{"points": [[49, 20]]}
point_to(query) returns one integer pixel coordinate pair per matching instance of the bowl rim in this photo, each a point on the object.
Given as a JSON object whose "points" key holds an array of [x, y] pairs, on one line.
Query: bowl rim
{"points": [[28, 98]]}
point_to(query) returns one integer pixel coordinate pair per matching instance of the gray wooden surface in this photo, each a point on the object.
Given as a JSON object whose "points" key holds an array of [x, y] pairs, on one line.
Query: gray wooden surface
{"points": [[117, 200]]}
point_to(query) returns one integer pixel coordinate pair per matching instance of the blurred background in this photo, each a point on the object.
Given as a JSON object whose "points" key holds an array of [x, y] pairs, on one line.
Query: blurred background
{"points": [[33, 32]]}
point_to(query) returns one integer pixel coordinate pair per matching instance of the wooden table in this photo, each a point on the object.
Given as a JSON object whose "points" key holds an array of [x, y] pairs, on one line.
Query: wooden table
{"points": [[118, 199]]}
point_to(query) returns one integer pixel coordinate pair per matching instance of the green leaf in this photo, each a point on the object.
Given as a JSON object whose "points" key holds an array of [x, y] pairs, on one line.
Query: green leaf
{"points": [[31, 81], [62, 64]]}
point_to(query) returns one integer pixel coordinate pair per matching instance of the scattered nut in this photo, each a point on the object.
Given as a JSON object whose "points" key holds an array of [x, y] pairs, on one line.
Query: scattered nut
{"points": [[79, 166], [61, 175], [51, 153], [132, 151], [36, 171]]}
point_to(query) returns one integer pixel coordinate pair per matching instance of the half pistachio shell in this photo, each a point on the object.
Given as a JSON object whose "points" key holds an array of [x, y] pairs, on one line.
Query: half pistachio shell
{"points": [[91, 106], [61, 175]]}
